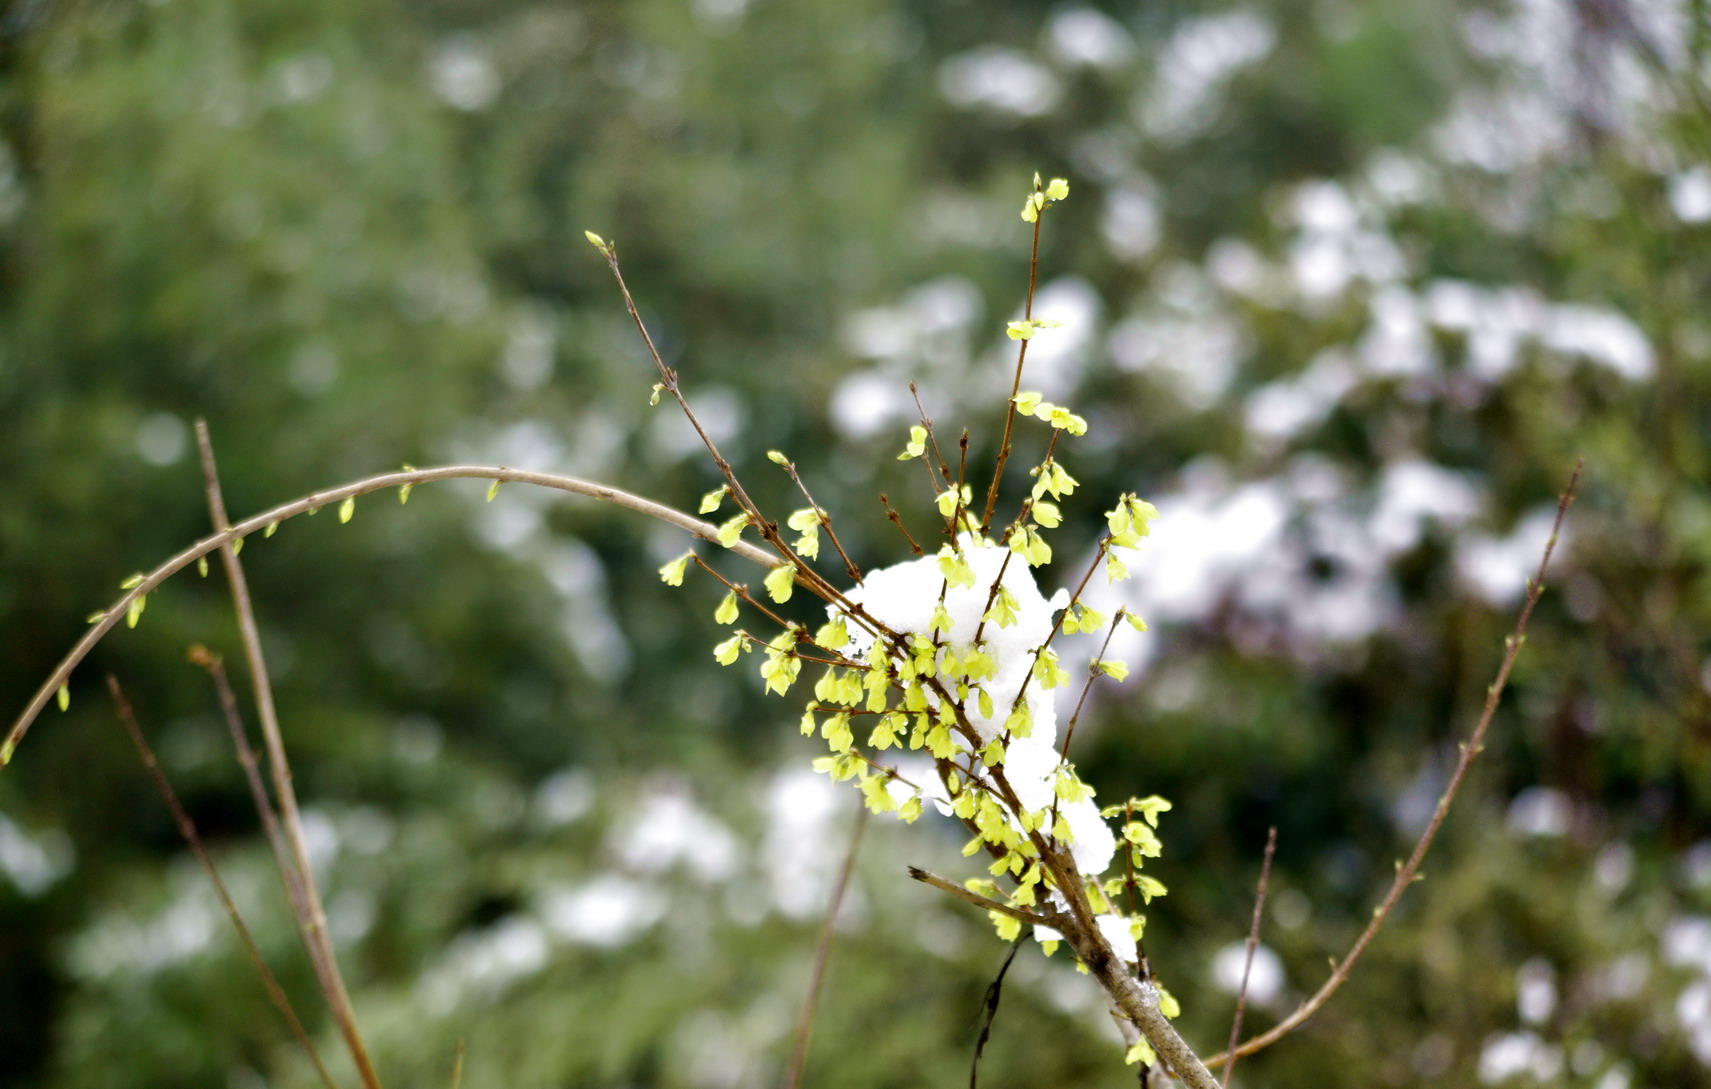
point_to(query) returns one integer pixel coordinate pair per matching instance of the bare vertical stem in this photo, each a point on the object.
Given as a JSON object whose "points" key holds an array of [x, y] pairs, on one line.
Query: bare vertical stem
{"points": [[187, 829], [313, 921], [201, 656], [1253, 944], [1470, 749], [823, 954]]}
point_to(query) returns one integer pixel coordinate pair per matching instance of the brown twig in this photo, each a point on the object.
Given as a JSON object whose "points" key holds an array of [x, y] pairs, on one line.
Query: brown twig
{"points": [[1016, 383], [1253, 944], [823, 953], [989, 1010], [668, 381], [312, 920], [216, 669], [187, 829], [950, 888], [897, 520], [932, 437], [1470, 749], [314, 501], [825, 520]]}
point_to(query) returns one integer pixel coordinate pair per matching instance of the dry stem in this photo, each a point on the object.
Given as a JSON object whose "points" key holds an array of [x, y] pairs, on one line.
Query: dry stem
{"points": [[311, 914], [823, 952], [315, 501], [1253, 943], [187, 829], [1469, 751]]}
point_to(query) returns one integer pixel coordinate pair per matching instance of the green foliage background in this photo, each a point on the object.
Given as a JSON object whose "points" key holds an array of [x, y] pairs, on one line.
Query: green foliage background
{"points": [[349, 235]]}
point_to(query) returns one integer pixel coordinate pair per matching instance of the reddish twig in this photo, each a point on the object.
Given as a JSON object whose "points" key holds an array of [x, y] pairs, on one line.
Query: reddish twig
{"points": [[1470, 749], [187, 829], [1016, 383], [1253, 944]]}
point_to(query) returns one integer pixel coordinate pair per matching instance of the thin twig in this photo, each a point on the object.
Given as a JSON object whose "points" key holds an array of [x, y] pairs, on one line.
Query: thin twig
{"points": [[823, 953], [314, 501], [312, 920], [187, 829], [1405, 874], [989, 1010], [1016, 383], [932, 437], [457, 1067], [825, 520], [951, 888], [668, 381], [207, 660], [897, 520], [1253, 944]]}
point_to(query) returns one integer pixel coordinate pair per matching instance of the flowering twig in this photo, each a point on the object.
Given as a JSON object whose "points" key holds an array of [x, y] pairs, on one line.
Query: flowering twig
{"points": [[1015, 383], [951, 888], [115, 613]]}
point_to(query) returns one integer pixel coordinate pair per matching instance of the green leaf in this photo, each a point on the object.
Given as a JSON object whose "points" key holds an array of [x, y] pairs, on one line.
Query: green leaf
{"points": [[710, 502], [64, 698], [272, 528], [202, 566], [654, 398], [492, 490], [1020, 330], [134, 612], [347, 509], [777, 457], [1058, 189], [1115, 670], [132, 581]]}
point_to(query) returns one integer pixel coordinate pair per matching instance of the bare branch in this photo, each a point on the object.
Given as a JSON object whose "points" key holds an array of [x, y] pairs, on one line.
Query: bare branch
{"points": [[989, 1011], [259, 797], [1469, 751], [315, 501], [187, 829], [951, 888], [823, 953], [311, 913], [1253, 943]]}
